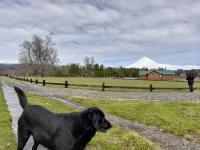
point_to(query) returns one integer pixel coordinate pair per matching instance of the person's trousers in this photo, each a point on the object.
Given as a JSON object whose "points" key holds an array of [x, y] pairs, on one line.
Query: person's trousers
{"points": [[191, 87]]}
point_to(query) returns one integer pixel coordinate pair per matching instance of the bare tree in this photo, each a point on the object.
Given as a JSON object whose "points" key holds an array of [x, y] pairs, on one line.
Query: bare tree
{"points": [[89, 64], [39, 54]]}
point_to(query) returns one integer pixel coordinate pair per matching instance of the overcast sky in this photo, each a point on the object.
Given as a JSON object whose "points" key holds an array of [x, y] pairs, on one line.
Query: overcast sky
{"points": [[114, 32]]}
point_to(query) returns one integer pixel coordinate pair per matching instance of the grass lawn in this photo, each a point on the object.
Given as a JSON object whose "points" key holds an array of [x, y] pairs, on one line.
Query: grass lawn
{"points": [[114, 139], [7, 139], [179, 118], [116, 82]]}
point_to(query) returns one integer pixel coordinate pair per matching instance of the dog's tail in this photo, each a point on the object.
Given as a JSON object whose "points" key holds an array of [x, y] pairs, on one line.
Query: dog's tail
{"points": [[22, 97]]}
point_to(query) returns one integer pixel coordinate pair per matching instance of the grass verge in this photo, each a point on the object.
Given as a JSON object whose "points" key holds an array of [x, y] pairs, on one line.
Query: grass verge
{"points": [[114, 139], [179, 118], [117, 82], [7, 139], [7, 80]]}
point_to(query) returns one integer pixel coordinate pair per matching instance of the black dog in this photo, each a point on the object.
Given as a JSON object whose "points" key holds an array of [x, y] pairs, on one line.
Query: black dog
{"points": [[70, 131]]}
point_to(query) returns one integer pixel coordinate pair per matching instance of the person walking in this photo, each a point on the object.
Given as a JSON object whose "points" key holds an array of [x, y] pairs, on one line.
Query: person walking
{"points": [[190, 79]]}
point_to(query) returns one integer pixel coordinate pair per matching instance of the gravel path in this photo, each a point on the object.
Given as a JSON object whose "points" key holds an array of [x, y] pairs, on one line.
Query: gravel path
{"points": [[163, 140], [15, 111]]}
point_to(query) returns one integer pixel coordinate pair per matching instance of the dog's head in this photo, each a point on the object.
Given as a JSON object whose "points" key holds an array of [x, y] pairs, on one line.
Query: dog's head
{"points": [[98, 119]]}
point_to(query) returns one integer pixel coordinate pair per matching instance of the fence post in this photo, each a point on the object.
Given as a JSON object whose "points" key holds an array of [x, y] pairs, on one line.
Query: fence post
{"points": [[31, 80], [103, 86], [43, 83], [151, 88], [66, 84], [36, 81]]}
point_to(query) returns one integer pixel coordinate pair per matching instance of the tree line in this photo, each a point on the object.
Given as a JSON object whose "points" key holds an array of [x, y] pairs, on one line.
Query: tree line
{"points": [[38, 57], [92, 69]]}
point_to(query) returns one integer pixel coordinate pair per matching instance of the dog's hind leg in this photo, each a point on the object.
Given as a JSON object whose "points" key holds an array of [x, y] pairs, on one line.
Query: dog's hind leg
{"points": [[23, 137], [35, 146]]}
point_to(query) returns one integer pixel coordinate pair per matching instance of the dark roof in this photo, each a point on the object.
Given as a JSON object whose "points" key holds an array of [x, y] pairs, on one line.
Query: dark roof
{"points": [[163, 72], [143, 72]]}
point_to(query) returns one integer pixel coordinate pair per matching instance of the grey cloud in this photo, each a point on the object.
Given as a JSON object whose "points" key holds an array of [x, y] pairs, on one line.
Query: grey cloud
{"points": [[108, 30]]}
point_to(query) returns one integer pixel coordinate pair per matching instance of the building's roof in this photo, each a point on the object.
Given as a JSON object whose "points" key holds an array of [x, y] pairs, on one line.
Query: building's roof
{"points": [[166, 71], [163, 72], [143, 72]]}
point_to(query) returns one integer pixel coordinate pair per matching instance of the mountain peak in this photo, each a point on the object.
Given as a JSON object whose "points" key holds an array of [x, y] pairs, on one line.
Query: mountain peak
{"points": [[145, 59], [146, 62]]}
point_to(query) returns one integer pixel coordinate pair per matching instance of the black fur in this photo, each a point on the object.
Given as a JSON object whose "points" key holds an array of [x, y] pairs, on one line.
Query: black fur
{"points": [[70, 131]]}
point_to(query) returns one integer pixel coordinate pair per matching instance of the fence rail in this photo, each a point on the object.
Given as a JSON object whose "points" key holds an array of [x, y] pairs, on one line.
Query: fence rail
{"points": [[102, 87]]}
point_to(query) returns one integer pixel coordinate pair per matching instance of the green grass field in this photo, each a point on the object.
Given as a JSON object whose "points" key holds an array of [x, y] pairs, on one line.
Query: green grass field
{"points": [[117, 82], [7, 140], [179, 118], [114, 139]]}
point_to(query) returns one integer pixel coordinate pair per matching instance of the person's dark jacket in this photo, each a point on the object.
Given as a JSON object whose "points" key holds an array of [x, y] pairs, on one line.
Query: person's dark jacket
{"points": [[190, 79]]}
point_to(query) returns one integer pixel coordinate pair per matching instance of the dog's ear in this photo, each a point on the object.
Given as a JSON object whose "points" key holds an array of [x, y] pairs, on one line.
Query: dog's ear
{"points": [[95, 121], [94, 117]]}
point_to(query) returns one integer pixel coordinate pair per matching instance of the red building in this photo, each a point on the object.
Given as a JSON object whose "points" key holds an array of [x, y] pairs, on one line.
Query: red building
{"points": [[157, 75]]}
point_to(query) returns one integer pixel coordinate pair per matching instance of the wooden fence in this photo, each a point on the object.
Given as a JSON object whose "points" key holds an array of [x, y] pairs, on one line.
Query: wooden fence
{"points": [[103, 87]]}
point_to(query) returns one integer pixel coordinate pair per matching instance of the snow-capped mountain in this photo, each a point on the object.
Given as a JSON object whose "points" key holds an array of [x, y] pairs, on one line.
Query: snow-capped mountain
{"points": [[146, 62]]}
